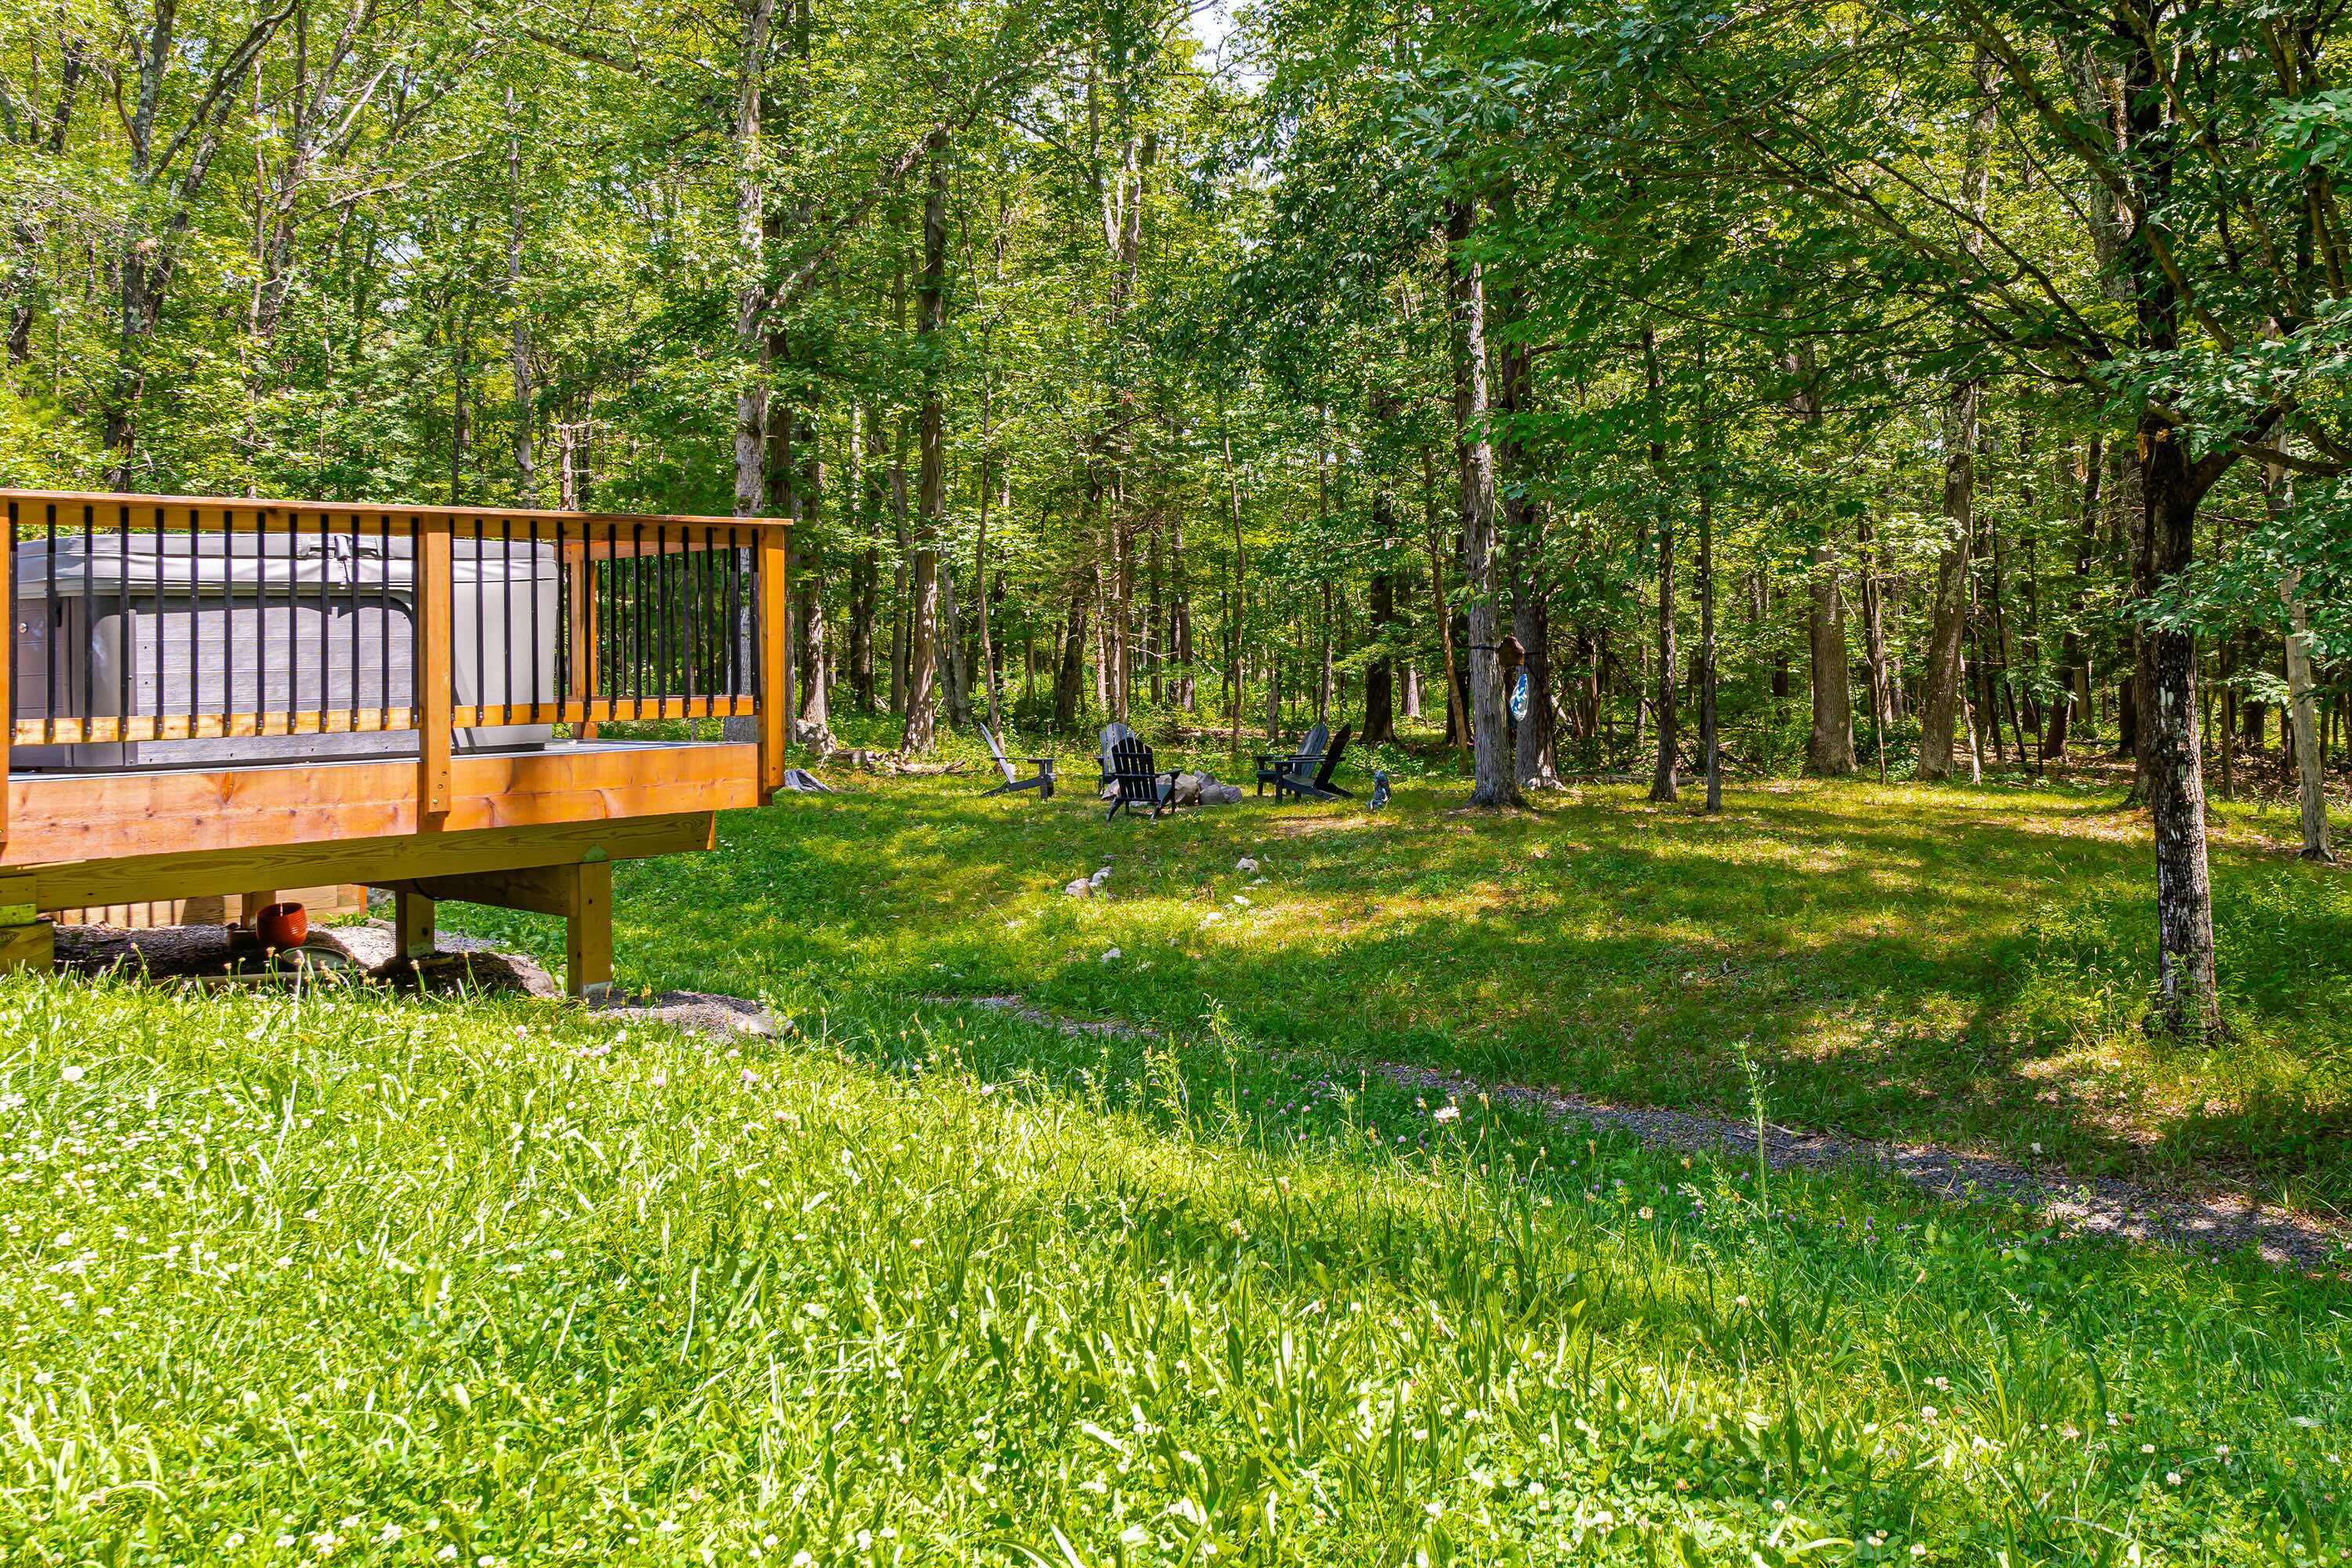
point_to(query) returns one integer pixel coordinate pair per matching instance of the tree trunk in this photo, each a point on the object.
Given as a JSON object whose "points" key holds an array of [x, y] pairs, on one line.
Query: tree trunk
{"points": [[1457, 727], [980, 608], [1379, 682], [2176, 787], [930, 298], [1710, 749], [1661, 775], [1179, 615], [2310, 760], [526, 469], [1234, 497], [1829, 751], [1938, 701], [750, 246], [1523, 547], [1881, 710], [1070, 673], [955, 671], [1940, 695], [1491, 783], [866, 579], [901, 640]]}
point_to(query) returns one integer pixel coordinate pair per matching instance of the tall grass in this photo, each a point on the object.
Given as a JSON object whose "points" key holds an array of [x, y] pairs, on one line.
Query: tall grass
{"points": [[344, 1278]]}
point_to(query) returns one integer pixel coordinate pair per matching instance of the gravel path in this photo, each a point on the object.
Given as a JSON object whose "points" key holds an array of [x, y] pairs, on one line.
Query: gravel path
{"points": [[2100, 1208]]}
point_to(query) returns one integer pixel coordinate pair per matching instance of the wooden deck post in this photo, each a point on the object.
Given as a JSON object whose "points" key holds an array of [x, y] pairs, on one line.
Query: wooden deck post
{"points": [[434, 794], [411, 923], [25, 941], [588, 930], [775, 715]]}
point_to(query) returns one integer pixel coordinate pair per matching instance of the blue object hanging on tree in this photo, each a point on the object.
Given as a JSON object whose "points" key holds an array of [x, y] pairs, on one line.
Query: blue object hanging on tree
{"points": [[1519, 699]]}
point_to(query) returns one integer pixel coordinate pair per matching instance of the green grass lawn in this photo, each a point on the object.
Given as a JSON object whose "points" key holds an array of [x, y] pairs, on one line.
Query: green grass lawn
{"points": [[360, 1279], [356, 1278], [1969, 965]]}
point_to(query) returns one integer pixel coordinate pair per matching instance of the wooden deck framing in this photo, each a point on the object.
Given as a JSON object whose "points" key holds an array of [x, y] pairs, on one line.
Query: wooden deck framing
{"points": [[534, 829]]}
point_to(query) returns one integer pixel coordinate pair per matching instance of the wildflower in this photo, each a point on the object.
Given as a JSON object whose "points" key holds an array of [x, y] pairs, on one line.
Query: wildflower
{"points": [[1645, 1212], [2172, 1478], [1919, 1548], [2221, 1450], [70, 1073], [1926, 1412], [1446, 1113], [2147, 1447]]}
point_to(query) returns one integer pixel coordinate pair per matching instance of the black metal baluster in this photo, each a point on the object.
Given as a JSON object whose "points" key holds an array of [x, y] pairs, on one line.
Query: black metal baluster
{"points": [[89, 598], [351, 596], [534, 619], [637, 620], [661, 629], [505, 621], [195, 621], [50, 636], [608, 630], [689, 567], [415, 631], [734, 605], [481, 686], [126, 646], [326, 624], [384, 623]]}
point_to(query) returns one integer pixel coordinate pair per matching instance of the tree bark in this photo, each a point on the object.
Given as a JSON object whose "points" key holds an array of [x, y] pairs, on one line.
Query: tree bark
{"points": [[930, 304], [1939, 696], [1829, 749], [1661, 775], [1070, 673], [2176, 793], [526, 467], [2310, 760], [1492, 785]]}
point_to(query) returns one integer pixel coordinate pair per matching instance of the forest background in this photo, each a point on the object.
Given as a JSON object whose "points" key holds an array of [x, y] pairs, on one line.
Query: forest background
{"points": [[1904, 387]]}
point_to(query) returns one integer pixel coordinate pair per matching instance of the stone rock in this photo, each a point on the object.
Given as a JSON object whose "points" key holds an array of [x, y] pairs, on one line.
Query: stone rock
{"points": [[1080, 889], [1100, 877], [1245, 864], [1108, 956], [706, 1013]]}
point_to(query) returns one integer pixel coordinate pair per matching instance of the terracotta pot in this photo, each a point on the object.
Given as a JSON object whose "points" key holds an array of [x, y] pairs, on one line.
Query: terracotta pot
{"points": [[283, 926]]}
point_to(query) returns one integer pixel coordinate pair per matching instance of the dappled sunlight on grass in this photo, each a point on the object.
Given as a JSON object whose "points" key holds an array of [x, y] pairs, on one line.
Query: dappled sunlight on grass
{"points": [[1966, 966]]}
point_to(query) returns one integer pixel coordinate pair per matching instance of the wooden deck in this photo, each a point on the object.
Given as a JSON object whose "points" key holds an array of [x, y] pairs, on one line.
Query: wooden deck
{"points": [[534, 826]]}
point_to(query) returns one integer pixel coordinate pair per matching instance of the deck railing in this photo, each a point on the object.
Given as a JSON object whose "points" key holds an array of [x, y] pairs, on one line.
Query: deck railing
{"points": [[141, 619]]}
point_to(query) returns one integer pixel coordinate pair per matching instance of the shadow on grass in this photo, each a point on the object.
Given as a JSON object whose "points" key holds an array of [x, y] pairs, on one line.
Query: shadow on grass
{"points": [[1949, 965]]}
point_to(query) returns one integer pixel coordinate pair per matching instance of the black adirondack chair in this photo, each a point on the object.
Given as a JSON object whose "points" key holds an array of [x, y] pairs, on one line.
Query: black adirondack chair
{"points": [[1113, 733], [1273, 767], [1042, 784], [1320, 786], [1135, 779]]}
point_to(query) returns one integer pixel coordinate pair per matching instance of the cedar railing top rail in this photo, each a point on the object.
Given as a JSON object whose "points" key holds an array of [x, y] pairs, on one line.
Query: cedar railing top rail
{"points": [[239, 513]]}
